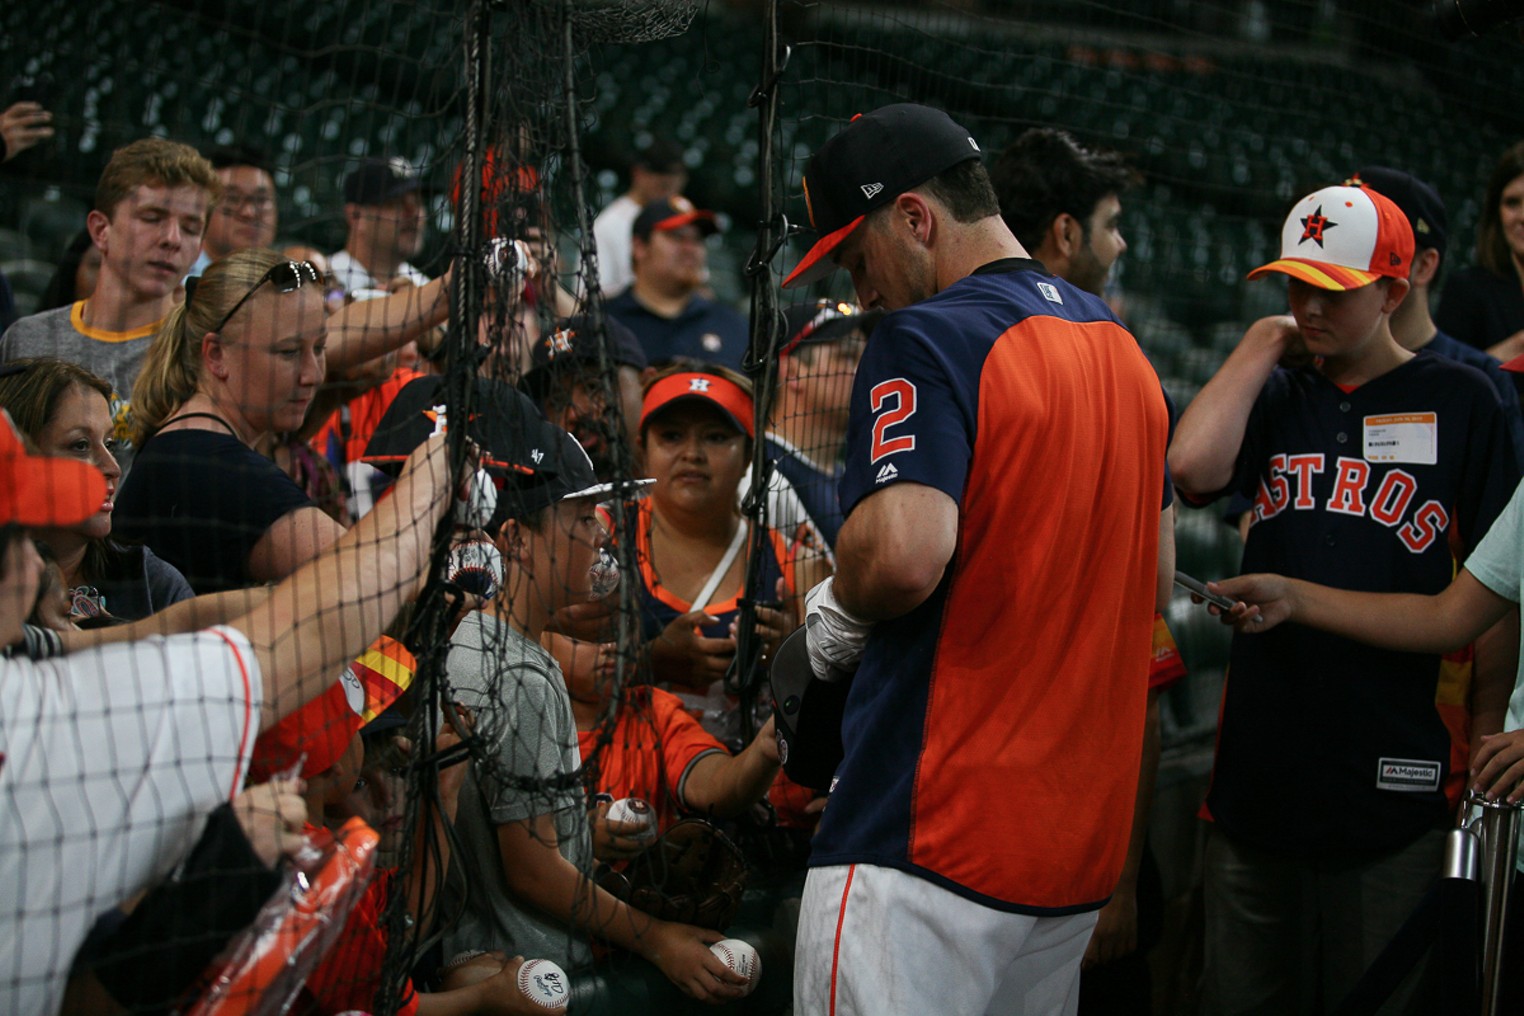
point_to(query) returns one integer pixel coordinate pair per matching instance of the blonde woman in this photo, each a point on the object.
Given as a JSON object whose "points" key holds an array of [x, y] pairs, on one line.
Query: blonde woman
{"points": [[238, 362]]}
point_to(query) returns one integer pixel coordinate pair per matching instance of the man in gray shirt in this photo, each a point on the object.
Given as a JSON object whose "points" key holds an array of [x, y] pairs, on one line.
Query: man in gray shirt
{"points": [[151, 209]]}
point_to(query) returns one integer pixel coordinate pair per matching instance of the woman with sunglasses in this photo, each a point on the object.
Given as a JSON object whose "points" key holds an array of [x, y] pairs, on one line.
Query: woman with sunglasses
{"points": [[238, 362], [65, 410]]}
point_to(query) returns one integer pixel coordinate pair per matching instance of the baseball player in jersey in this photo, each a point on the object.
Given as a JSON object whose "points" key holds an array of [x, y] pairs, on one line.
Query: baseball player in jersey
{"points": [[1372, 468], [993, 400]]}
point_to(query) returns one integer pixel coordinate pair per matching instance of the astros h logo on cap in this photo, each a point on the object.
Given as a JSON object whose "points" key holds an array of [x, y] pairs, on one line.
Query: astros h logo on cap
{"points": [[1343, 237]]}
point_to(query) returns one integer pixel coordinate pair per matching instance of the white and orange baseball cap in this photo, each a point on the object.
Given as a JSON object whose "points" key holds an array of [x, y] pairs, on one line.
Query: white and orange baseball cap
{"points": [[1343, 237]]}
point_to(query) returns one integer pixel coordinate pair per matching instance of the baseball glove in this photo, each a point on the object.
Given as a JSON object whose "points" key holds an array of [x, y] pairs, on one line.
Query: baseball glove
{"points": [[692, 874]]}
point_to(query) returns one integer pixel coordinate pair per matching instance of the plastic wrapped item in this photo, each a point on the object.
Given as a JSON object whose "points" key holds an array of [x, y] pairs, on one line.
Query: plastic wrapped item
{"points": [[265, 966]]}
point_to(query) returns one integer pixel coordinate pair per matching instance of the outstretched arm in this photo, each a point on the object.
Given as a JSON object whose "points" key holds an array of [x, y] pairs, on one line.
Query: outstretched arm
{"points": [[330, 609], [1410, 622], [729, 784], [367, 329]]}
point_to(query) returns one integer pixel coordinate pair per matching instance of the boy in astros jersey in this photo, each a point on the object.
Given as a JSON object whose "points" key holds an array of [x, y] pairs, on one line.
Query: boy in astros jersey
{"points": [[1370, 467]]}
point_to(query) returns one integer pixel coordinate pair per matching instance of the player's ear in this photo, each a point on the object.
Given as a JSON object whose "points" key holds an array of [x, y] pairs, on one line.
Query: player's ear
{"points": [[916, 212]]}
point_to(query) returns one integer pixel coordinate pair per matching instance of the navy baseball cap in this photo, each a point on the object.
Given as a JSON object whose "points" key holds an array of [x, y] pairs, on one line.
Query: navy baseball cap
{"points": [[505, 425], [673, 213], [810, 324], [377, 181], [873, 160], [564, 472], [575, 340], [1416, 199]]}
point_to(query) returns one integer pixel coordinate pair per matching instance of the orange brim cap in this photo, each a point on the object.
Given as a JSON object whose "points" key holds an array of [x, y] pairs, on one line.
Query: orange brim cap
{"points": [[682, 219], [817, 264], [1317, 273], [40, 490]]}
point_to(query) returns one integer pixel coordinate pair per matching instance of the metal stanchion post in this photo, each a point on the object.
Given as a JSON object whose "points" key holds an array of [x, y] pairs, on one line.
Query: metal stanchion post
{"points": [[1499, 823]]}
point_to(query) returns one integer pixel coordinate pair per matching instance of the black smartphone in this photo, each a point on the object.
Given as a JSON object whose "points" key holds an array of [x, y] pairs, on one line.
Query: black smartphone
{"points": [[1184, 581]]}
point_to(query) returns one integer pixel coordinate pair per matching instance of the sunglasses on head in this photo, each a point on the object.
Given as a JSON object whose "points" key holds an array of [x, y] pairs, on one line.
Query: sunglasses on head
{"points": [[286, 276]]}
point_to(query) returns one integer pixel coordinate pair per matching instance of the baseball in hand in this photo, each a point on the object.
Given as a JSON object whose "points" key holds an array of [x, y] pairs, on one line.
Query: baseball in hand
{"points": [[544, 984], [634, 810], [742, 958]]}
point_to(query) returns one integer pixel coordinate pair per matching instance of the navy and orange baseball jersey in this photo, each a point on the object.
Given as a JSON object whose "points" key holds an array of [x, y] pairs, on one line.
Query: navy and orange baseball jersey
{"points": [[992, 735], [1326, 744]]}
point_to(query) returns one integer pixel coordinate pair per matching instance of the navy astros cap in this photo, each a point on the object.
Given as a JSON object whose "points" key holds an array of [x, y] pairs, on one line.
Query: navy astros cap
{"points": [[873, 160], [575, 340], [1416, 199], [504, 424]]}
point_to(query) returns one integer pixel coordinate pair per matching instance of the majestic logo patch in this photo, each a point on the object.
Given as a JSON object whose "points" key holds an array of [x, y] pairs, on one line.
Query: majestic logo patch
{"points": [[887, 473], [1314, 226], [870, 189], [1050, 292], [1407, 775], [698, 384]]}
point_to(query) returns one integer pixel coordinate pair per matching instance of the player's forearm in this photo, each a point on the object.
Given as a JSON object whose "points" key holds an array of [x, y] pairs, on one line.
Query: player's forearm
{"points": [[336, 605], [367, 329], [893, 550], [729, 784], [1205, 448], [1496, 667]]}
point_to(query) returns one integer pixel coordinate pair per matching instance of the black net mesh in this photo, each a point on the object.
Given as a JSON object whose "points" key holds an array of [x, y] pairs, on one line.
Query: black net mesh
{"points": [[519, 122]]}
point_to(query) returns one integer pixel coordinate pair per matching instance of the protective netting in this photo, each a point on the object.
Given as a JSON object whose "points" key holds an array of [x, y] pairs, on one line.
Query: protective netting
{"points": [[1228, 111]]}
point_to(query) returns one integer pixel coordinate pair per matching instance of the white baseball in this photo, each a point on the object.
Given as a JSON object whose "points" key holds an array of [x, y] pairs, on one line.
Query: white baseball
{"points": [[633, 809], [742, 958], [544, 984]]}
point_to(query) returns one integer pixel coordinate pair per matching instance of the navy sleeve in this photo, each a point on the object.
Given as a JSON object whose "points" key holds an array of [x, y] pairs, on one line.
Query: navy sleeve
{"points": [[913, 415]]}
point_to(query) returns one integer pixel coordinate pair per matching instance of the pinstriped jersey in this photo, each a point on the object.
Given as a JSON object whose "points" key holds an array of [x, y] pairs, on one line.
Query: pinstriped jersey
{"points": [[1325, 744], [992, 735]]}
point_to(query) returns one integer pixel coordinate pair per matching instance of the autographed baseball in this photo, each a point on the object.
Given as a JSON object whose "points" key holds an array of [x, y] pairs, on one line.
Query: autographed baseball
{"points": [[633, 809], [742, 958], [544, 984]]}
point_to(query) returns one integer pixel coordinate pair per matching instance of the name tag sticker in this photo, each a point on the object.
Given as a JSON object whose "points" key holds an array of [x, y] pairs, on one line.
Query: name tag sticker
{"points": [[1402, 437]]}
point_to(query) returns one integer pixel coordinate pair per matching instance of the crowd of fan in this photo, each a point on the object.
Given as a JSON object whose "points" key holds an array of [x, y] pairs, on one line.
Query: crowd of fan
{"points": [[250, 407]]}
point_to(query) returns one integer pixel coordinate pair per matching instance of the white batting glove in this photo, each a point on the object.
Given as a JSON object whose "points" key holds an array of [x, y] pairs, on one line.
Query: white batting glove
{"points": [[834, 636]]}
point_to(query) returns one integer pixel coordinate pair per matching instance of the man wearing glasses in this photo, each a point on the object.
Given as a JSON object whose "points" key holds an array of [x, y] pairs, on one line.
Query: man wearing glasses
{"points": [[247, 215]]}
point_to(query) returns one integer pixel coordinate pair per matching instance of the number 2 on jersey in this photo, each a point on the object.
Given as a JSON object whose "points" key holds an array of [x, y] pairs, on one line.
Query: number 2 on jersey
{"points": [[894, 402]]}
